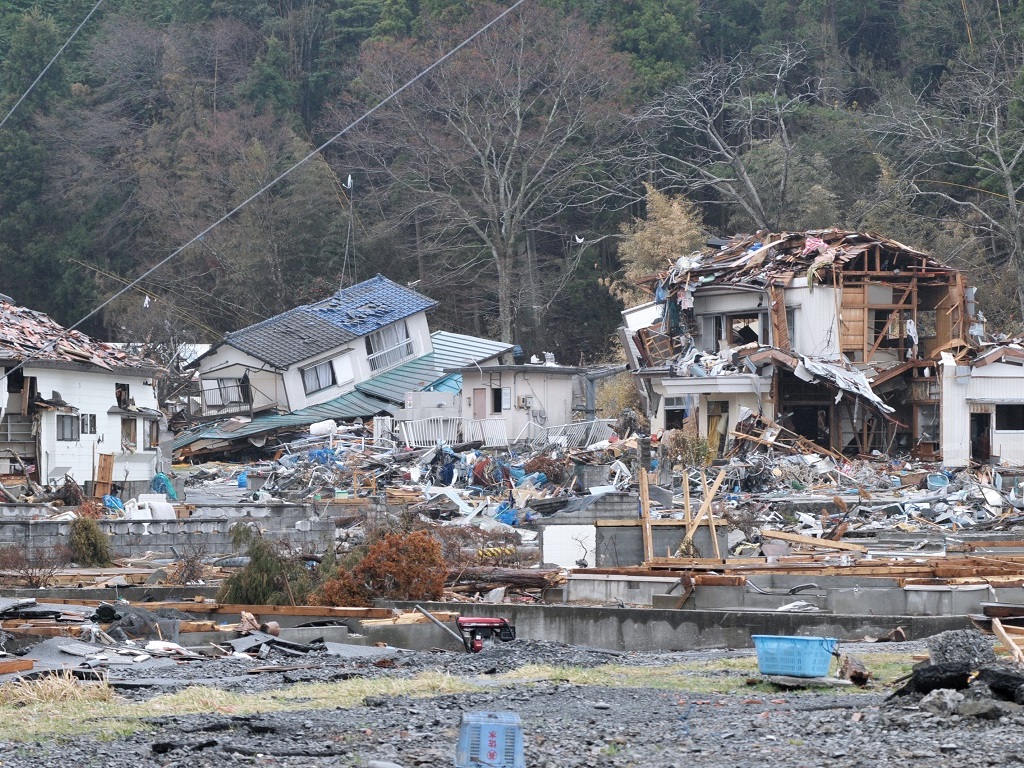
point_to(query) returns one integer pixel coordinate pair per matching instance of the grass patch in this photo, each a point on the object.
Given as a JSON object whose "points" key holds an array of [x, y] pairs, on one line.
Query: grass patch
{"points": [[705, 676], [109, 717], [61, 708]]}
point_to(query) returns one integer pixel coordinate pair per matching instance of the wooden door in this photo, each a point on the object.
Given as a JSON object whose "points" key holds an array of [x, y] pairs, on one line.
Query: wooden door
{"points": [[104, 474]]}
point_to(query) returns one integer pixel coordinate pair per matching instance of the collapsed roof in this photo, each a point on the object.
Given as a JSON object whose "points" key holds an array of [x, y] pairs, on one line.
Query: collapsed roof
{"points": [[28, 335]]}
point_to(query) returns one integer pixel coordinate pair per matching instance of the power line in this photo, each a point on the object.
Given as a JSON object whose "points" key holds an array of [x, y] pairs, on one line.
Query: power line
{"points": [[394, 94], [47, 67]]}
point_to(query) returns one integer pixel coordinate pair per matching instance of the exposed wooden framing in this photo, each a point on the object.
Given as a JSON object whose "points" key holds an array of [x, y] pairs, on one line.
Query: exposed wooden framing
{"points": [[705, 507], [912, 288]]}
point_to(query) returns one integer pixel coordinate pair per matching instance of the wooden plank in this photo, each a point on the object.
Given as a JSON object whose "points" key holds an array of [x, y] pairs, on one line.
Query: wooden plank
{"points": [[811, 541], [645, 514], [8, 666], [705, 506], [780, 326], [104, 475], [1007, 641]]}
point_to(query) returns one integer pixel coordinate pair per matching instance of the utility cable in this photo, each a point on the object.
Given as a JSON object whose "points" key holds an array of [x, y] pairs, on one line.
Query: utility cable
{"points": [[47, 67], [386, 100]]}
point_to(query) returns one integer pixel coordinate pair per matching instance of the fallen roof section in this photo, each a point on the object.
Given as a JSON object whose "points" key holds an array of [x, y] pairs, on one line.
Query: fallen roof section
{"points": [[27, 334]]}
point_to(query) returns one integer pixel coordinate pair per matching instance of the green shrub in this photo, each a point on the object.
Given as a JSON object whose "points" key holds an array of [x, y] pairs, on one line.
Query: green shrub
{"points": [[89, 545]]}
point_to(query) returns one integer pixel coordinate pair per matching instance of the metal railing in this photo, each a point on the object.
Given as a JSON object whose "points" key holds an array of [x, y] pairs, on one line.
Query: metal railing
{"points": [[390, 357], [578, 434]]}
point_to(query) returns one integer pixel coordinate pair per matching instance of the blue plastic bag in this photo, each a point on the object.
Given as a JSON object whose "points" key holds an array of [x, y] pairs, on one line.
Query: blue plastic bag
{"points": [[113, 503], [162, 484]]}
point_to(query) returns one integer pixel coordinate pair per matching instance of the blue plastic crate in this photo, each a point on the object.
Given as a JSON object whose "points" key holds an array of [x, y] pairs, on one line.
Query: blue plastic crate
{"points": [[794, 656], [491, 740]]}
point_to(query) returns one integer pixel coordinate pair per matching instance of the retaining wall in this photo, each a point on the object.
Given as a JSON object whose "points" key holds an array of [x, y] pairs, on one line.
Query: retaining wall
{"points": [[646, 629]]}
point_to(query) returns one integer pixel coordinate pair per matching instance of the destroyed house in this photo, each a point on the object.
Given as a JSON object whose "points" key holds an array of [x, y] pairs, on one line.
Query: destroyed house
{"points": [[831, 336], [355, 355], [315, 352], [73, 405]]}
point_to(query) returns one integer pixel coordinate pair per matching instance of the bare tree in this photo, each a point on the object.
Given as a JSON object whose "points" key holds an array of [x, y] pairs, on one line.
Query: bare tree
{"points": [[726, 134], [497, 144], [963, 146]]}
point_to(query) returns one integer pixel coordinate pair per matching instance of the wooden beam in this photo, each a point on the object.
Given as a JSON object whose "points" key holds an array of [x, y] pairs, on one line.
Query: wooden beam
{"points": [[811, 541], [1006, 640], [645, 514]]}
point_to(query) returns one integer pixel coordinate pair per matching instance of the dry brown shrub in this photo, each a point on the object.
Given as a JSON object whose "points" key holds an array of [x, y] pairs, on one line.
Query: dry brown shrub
{"points": [[32, 567], [91, 508], [398, 566]]}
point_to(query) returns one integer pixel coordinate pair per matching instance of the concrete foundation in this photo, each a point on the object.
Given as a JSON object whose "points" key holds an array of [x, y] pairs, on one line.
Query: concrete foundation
{"points": [[629, 629]]}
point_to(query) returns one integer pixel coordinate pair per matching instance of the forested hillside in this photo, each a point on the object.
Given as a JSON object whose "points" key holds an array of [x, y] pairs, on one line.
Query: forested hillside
{"points": [[504, 181]]}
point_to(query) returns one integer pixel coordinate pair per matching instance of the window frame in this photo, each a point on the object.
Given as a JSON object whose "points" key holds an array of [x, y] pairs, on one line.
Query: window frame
{"points": [[1015, 417], [134, 441], [87, 423], [64, 419], [315, 369], [151, 434]]}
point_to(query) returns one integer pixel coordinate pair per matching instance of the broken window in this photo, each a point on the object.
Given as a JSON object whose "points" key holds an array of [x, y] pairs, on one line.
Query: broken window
{"points": [[501, 399], [152, 434], [389, 346], [1010, 417], [927, 324], [746, 329], [122, 394], [318, 377], [67, 428], [928, 423], [88, 423], [15, 380], [129, 436]]}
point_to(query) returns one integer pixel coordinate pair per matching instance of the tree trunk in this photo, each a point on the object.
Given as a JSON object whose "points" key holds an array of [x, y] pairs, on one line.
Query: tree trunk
{"points": [[505, 265]]}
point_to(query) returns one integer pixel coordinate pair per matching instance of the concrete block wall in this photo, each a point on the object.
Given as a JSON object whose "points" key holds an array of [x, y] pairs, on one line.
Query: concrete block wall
{"points": [[621, 546], [610, 506], [130, 538]]}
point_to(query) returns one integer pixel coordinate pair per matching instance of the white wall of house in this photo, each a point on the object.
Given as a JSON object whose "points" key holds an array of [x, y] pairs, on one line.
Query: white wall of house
{"points": [[92, 393], [539, 395], [967, 390], [227, 363], [737, 391], [815, 331]]}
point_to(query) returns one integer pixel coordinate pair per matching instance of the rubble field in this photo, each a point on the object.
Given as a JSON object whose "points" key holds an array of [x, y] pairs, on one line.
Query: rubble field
{"points": [[579, 707]]}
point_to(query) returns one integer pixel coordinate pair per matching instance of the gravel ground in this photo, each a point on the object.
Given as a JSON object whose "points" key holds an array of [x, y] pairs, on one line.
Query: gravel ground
{"points": [[565, 725]]}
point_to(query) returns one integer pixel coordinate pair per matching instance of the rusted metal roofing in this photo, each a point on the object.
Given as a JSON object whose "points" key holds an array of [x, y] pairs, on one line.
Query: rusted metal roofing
{"points": [[26, 334]]}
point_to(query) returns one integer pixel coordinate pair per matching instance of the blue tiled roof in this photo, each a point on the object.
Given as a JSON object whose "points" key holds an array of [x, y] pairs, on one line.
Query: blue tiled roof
{"points": [[371, 305], [313, 329], [384, 393]]}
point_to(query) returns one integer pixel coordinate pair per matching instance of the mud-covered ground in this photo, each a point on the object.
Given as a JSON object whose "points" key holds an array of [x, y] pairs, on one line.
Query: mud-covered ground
{"points": [[566, 724]]}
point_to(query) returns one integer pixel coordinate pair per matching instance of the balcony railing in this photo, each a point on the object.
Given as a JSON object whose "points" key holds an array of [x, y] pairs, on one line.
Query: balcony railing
{"points": [[390, 357], [228, 400]]}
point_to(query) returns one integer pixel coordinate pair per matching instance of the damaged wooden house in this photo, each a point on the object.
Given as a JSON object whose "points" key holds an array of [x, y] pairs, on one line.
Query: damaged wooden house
{"points": [[75, 406], [852, 341], [355, 355]]}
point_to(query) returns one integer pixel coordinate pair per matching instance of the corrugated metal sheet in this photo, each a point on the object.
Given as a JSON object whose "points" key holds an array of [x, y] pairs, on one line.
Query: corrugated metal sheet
{"points": [[451, 350]]}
